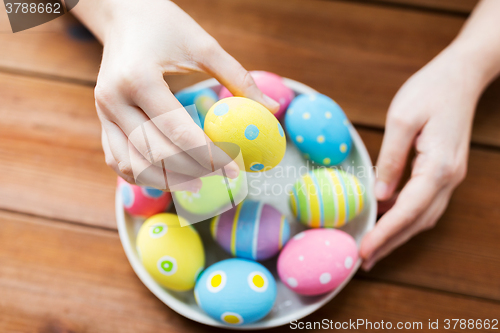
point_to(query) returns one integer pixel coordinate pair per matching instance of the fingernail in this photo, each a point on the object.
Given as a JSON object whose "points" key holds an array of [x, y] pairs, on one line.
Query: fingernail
{"points": [[381, 189], [233, 173], [271, 103], [194, 188], [368, 266]]}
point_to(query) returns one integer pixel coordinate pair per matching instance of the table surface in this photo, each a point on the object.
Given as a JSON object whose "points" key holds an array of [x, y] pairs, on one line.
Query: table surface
{"points": [[62, 267]]}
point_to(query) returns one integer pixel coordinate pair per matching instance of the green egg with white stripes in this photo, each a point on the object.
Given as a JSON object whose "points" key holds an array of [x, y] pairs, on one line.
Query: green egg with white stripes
{"points": [[327, 198]]}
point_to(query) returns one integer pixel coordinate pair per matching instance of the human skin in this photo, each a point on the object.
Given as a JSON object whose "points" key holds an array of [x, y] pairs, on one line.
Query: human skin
{"points": [[143, 40], [433, 113]]}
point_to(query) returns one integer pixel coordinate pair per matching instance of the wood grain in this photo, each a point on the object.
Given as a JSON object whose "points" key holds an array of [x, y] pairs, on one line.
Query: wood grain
{"points": [[49, 50], [57, 277], [460, 6]]}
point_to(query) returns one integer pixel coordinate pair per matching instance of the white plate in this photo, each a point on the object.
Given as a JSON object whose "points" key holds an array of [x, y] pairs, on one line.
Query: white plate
{"points": [[289, 306]]}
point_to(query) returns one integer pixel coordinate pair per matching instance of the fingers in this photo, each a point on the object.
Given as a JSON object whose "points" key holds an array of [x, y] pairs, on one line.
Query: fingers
{"points": [[398, 139], [237, 79], [424, 222], [178, 128], [150, 141], [415, 198], [110, 159], [134, 168]]}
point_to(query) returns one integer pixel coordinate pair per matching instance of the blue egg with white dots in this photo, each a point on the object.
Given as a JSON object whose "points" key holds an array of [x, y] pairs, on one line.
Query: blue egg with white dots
{"points": [[236, 291], [201, 99], [319, 128]]}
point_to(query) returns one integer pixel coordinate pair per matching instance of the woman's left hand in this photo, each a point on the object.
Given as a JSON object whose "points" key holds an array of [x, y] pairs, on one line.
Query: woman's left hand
{"points": [[432, 112]]}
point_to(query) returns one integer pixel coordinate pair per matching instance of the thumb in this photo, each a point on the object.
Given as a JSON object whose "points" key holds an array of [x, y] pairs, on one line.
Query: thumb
{"points": [[235, 78]]}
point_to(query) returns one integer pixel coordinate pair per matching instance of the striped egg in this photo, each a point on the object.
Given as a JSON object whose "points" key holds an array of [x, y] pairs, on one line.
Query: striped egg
{"points": [[252, 230], [327, 198]]}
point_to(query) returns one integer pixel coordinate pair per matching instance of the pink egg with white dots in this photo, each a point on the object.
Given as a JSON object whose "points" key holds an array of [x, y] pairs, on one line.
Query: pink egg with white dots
{"points": [[317, 261], [272, 85], [143, 201]]}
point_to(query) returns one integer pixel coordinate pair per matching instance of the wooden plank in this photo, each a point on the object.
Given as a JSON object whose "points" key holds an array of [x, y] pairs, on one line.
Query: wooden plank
{"points": [[52, 160], [460, 6], [57, 277], [49, 50]]}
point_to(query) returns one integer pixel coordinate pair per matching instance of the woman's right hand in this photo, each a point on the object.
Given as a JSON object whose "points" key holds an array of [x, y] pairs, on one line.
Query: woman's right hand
{"points": [[143, 40]]}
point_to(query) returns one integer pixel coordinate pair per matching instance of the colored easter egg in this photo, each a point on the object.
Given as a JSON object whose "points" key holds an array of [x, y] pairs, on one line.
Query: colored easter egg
{"points": [[272, 85], [212, 197], [236, 291], [252, 230], [173, 255], [203, 99], [327, 198], [317, 261], [252, 127], [143, 201], [319, 128]]}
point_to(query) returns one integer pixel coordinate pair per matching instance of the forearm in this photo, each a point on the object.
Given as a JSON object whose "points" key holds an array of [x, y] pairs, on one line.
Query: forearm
{"points": [[478, 44], [96, 15]]}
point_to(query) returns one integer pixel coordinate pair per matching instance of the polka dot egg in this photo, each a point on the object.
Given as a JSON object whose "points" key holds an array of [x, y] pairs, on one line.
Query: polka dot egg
{"points": [[272, 85], [317, 261], [202, 99], [172, 255], [143, 201], [252, 127], [236, 291], [326, 198], [319, 128], [252, 230]]}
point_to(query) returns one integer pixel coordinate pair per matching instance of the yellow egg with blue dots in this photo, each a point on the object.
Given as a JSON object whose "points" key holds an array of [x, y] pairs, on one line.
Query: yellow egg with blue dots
{"points": [[172, 255], [252, 127]]}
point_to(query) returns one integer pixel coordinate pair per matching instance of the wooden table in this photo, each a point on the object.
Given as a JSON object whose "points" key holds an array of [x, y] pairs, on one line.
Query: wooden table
{"points": [[62, 267]]}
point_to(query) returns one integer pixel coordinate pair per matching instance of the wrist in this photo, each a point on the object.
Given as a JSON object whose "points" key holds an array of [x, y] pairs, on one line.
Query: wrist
{"points": [[480, 64], [97, 15]]}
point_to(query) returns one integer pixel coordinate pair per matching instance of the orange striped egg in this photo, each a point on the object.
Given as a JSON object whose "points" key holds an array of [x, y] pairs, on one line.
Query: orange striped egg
{"points": [[252, 230], [327, 198]]}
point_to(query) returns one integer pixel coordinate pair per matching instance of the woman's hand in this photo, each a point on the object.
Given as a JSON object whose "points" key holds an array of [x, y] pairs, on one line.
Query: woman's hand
{"points": [[432, 112], [143, 40]]}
